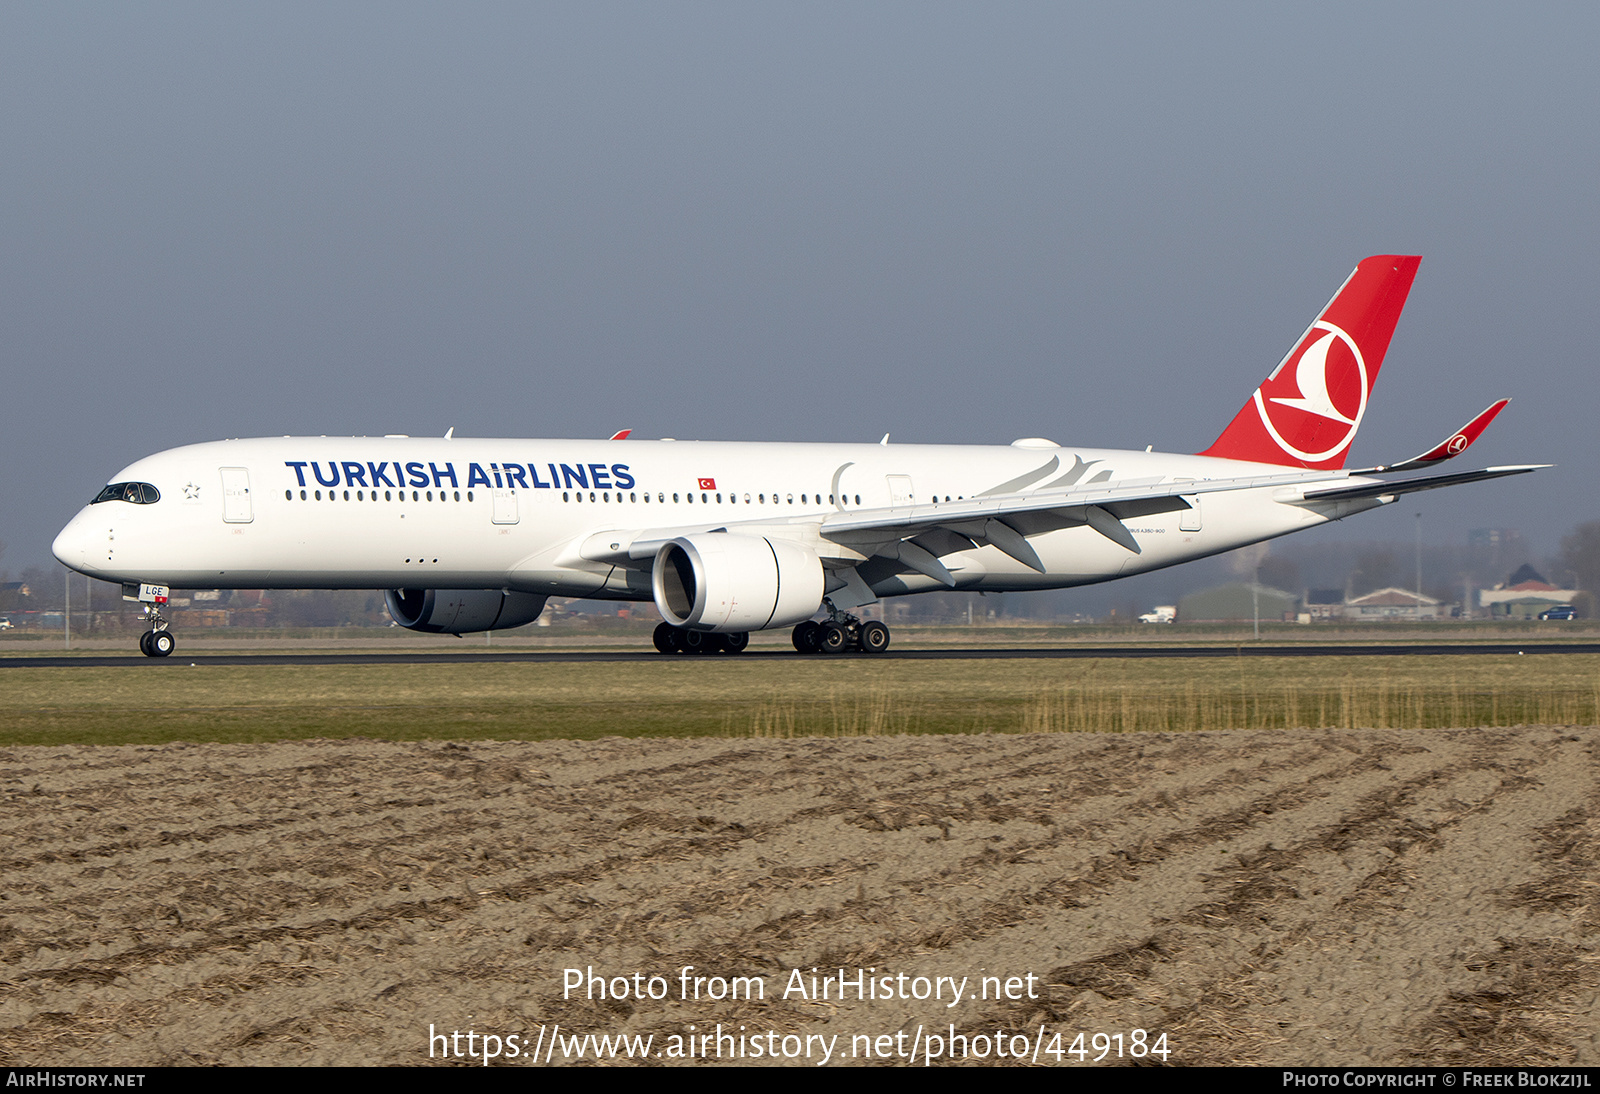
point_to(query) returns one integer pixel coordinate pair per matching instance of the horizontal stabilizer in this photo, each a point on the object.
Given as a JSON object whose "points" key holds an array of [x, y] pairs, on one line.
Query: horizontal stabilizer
{"points": [[1411, 486]]}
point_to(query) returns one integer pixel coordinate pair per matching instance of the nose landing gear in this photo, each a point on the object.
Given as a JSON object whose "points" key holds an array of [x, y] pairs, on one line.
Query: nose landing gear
{"points": [[158, 641]]}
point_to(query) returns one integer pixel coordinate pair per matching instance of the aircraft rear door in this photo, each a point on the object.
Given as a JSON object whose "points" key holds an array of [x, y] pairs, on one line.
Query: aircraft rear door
{"points": [[1189, 519], [236, 495]]}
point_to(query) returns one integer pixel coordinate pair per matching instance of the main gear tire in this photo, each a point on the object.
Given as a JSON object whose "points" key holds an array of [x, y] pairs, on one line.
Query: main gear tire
{"points": [[699, 641], [666, 639], [874, 637], [807, 637]]}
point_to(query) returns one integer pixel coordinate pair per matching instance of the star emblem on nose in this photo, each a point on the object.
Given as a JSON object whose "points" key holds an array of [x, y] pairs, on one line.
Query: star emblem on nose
{"points": [[191, 491]]}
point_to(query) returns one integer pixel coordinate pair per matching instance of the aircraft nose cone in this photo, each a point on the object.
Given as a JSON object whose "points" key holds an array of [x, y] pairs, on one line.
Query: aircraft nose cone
{"points": [[71, 546]]}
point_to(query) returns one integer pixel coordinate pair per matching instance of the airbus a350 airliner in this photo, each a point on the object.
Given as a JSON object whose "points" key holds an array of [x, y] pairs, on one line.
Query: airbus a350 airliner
{"points": [[728, 538]]}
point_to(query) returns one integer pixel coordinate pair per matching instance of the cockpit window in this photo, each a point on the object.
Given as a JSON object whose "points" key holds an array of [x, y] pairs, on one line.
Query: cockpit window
{"points": [[140, 493]]}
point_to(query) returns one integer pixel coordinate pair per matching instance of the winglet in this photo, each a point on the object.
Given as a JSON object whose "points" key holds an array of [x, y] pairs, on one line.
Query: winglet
{"points": [[1458, 442], [1307, 415], [619, 435]]}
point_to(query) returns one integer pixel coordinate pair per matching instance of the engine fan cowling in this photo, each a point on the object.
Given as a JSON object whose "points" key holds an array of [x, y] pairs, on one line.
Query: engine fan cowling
{"points": [[715, 581], [460, 611]]}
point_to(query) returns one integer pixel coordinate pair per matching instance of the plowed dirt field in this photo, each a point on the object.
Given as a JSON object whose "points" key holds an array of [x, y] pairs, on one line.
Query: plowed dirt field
{"points": [[1325, 897]]}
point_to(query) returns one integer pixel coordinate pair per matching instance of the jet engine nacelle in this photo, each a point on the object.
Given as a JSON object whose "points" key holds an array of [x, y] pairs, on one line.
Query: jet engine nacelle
{"points": [[458, 611], [714, 581]]}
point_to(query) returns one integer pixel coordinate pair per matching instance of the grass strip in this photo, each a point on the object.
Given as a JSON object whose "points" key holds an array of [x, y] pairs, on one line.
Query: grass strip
{"points": [[691, 697]]}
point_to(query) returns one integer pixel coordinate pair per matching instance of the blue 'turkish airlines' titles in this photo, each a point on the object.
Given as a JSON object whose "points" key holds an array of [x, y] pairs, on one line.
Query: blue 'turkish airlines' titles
{"points": [[562, 476]]}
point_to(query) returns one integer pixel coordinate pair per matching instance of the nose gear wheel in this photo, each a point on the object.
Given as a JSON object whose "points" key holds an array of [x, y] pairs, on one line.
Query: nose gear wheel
{"points": [[158, 641]]}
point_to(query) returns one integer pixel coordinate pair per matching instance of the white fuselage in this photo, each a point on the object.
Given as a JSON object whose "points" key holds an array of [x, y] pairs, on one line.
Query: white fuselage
{"points": [[396, 512]]}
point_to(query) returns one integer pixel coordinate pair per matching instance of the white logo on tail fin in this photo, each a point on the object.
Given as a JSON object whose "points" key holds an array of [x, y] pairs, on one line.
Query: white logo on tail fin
{"points": [[1311, 374], [1309, 393]]}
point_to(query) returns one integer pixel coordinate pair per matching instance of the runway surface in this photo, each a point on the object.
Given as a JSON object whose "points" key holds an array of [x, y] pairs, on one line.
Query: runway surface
{"points": [[421, 657]]}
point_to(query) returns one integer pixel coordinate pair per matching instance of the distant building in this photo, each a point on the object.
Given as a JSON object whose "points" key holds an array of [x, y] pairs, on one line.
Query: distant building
{"points": [[1324, 604], [1391, 603], [1238, 603], [1523, 599]]}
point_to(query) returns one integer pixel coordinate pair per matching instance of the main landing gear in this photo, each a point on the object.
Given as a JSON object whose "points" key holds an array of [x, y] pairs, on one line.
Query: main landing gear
{"points": [[158, 640], [840, 633], [670, 639]]}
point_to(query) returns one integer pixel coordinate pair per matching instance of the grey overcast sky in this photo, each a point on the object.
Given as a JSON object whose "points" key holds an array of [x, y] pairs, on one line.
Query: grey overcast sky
{"points": [[953, 222]]}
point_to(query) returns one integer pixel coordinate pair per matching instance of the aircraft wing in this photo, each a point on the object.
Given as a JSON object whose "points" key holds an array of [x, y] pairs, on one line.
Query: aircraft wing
{"points": [[1004, 520], [918, 535]]}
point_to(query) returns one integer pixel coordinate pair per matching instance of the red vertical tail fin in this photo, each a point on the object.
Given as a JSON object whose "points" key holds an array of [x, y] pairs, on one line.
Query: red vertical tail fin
{"points": [[1307, 412]]}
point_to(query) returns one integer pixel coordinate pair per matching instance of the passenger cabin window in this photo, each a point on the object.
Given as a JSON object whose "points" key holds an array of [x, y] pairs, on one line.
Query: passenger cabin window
{"points": [[139, 493]]}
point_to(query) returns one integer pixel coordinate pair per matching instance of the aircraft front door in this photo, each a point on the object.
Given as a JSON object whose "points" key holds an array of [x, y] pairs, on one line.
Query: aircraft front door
{"points": [[236, 495], [505, 505]]}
